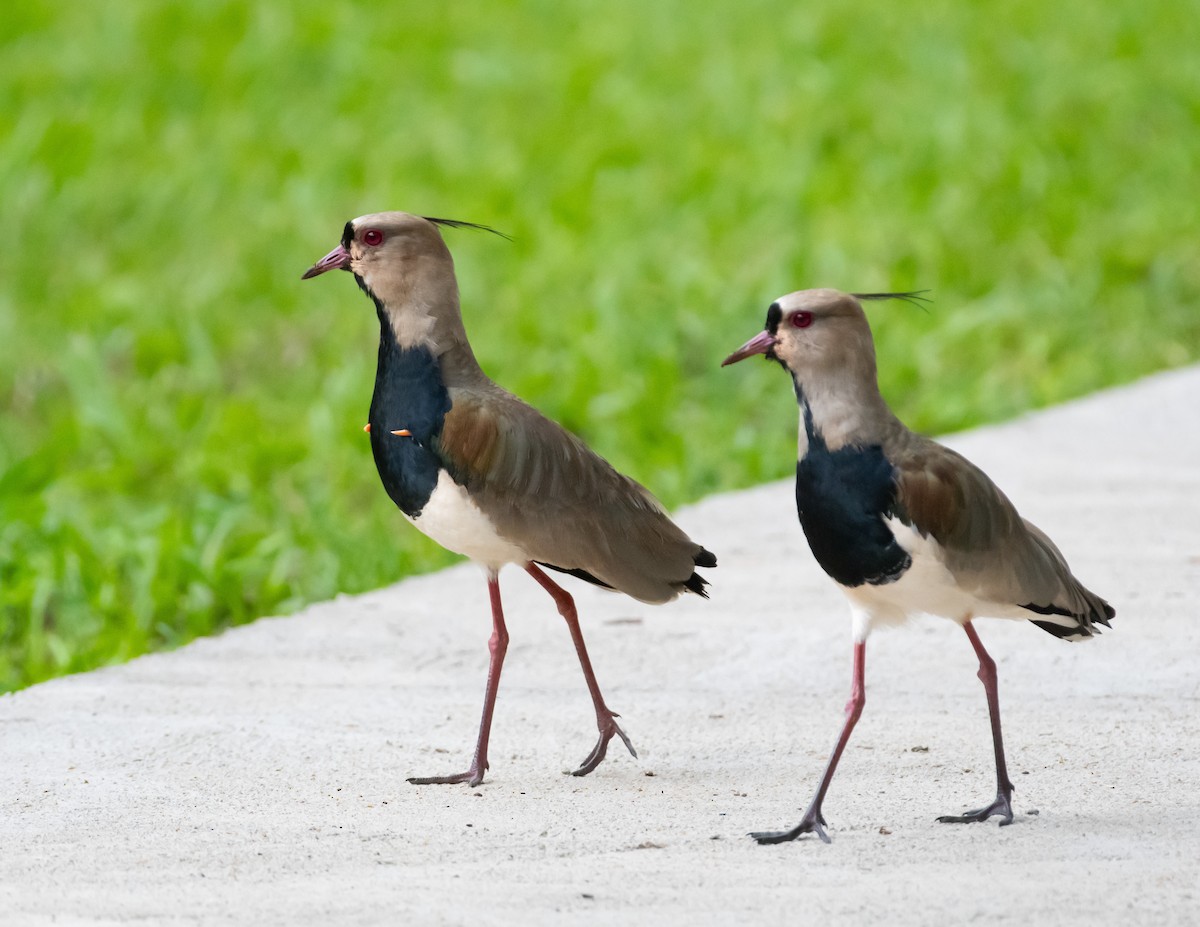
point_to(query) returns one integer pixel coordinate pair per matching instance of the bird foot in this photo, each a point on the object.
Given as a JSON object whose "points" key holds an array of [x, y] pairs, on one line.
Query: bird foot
{"points": [[472, 777], [608, 729], [1001, 806], [812, 823]]}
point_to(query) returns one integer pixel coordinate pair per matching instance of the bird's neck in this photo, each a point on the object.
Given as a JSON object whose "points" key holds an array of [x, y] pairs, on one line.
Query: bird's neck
{"points": [[849, 414], [419, 309], [433, 330], [419, 306]]}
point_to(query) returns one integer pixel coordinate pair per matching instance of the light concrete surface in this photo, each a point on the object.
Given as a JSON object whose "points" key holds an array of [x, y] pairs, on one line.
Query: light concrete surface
{"points": [[258, 777]]}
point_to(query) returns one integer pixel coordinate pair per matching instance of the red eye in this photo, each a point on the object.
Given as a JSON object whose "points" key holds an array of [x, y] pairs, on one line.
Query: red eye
{"points": [[801, 319], [372, 237]]}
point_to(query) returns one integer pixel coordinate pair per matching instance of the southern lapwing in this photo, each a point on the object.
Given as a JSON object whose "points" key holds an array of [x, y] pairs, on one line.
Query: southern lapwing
{"points": [[487, 476], [902, 524]]}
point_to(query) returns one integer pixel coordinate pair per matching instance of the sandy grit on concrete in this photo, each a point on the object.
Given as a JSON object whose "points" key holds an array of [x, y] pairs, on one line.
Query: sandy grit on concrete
{"points": [[258, 778]]}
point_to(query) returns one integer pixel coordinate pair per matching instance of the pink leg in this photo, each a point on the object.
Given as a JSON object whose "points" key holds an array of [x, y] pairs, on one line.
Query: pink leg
{"points": [[605, 719], [1004, 788], [813, 821], [497, 646]]}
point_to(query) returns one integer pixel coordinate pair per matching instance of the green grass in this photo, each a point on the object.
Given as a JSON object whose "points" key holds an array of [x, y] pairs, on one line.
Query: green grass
{"points": [[180, 417]]}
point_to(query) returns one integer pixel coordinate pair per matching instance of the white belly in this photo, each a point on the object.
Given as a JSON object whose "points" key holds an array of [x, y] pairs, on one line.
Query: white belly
{"points": [[452, 519], [927, 587]]}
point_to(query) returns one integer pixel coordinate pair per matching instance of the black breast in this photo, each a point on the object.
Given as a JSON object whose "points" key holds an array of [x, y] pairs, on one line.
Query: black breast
{"points": [[409, 396], [842, 497]]}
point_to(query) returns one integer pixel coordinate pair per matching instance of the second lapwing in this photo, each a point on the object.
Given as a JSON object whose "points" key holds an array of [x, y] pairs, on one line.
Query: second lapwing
{"points": [[902, 524], [486, 475]]}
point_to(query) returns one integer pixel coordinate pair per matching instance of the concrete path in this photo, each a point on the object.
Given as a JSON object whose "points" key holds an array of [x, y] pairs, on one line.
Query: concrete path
{"points": [[257, 778]]}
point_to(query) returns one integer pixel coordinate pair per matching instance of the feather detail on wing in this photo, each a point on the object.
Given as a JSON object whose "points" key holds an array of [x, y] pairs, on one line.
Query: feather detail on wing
{"points": [[990, 550], [547, 492]]}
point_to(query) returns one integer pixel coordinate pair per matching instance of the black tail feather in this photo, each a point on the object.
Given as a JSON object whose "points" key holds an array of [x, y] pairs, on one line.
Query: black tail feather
{"points": [[576, 572], [696, 583], [1062, 632], [1101, 613]]}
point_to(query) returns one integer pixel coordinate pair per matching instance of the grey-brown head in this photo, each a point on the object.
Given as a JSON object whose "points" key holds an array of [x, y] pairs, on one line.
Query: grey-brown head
{"points": [[817, 335], [811, 331], [822, 338], [402, 263]]}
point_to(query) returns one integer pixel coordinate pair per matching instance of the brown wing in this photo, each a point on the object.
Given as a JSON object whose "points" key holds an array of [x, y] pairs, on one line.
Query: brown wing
{"points": [[547, 492], [991, 551]]}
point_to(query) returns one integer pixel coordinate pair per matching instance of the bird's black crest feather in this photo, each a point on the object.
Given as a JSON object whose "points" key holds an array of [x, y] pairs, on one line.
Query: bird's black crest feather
{"points": [[915, 297], [459, 224]]}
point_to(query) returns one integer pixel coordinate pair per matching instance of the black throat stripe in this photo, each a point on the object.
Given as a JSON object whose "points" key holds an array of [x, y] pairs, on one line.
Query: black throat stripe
{"points": [[842, 498]]}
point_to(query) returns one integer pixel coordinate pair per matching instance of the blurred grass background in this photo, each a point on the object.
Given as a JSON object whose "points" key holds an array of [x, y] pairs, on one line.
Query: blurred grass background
{"points": [[180, 417]]}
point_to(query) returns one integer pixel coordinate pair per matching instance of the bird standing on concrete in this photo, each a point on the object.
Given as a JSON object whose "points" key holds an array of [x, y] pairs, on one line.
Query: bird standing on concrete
{"points": [[902, 524], [486, 475]]}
